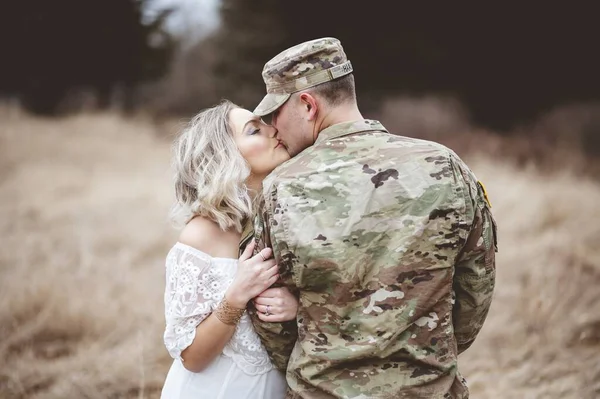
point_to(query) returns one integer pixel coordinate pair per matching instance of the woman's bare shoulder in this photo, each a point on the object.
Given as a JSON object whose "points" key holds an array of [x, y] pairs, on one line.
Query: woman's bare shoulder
{"points": [[205, 235]]}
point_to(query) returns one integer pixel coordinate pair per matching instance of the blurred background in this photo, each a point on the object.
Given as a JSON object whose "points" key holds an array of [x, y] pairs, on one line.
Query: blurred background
{"points": [[93, 92]]}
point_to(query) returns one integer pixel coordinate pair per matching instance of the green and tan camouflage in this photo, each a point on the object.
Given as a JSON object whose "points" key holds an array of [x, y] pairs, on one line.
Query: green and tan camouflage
{"points": [[301, 67], [390, 244]]}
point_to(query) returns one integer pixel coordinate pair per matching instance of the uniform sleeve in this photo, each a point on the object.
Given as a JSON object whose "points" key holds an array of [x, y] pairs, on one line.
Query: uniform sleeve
{"points": [[193, 291], [278, 338], [475, 270]]}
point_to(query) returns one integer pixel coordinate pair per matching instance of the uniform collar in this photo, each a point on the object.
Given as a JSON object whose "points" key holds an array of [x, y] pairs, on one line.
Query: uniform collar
{"points": [[247, 234], [346, 128]]}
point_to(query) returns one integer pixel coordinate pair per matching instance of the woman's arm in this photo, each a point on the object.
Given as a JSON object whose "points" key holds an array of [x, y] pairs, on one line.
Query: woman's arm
{"points": [[254, 275], [211, 337]]}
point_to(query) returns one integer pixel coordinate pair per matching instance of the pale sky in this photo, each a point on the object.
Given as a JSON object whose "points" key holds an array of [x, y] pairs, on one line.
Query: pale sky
{"points": [[193, 18]]}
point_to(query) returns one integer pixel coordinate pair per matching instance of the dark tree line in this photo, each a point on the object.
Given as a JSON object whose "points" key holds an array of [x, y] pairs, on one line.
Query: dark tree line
{"points": [[51, 47], [508, 62]]}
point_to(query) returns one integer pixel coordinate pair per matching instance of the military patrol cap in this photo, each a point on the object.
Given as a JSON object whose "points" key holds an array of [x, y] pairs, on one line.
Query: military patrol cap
{"points": [[305, 65]]}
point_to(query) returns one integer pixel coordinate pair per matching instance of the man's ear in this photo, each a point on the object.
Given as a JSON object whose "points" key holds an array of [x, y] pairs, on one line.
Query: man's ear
{"points": [[310, 106]]}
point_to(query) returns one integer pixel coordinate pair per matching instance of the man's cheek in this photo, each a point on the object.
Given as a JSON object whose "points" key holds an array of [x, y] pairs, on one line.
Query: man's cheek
{"points": [[283, 135]]}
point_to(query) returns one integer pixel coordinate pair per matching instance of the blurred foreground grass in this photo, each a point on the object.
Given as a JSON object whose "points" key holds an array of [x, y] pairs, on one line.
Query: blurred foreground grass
{"points": [[83, 221]]}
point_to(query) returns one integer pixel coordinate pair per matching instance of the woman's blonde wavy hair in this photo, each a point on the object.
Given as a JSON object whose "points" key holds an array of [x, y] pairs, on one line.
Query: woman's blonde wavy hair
{"points": [[210, 172]]}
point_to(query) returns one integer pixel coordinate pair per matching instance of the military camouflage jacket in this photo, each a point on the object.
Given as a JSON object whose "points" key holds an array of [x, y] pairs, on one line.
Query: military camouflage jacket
{"points": [[390, 245]]}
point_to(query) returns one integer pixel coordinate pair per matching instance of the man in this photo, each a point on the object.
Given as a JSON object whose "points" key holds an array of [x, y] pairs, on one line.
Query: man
{"points": [[388, 241]]}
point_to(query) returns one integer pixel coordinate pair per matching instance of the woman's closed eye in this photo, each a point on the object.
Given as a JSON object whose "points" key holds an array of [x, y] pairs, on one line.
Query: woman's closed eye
{"points": [[254, 131]]}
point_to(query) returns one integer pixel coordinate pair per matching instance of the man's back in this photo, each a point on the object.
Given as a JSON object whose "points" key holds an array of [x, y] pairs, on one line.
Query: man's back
{"points": [[378, 233]]}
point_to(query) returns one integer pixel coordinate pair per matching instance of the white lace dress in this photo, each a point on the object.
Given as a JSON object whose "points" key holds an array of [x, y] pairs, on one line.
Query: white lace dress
{"points": [[195, 284]]}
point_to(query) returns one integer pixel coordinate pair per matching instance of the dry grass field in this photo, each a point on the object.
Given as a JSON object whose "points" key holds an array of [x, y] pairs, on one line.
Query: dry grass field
{"points": [[84, 232]]}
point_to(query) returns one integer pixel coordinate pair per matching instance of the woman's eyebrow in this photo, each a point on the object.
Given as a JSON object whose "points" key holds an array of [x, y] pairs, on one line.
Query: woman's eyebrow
{"points": [[253, 119]]}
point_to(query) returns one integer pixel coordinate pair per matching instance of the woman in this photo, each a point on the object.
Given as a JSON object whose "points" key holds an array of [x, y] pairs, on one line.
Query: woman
{"points": [[220, 161]]}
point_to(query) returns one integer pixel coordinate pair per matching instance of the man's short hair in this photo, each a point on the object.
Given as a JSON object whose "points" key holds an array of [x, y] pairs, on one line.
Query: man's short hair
{"points": [[336, 92]]}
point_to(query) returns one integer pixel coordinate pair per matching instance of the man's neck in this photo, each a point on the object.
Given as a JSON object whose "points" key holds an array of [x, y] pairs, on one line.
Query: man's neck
{"points": [[341, 114]]}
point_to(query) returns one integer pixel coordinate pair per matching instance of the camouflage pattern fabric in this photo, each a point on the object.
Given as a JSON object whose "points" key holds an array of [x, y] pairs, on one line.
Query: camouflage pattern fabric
{"points": [[390, 244], [300, 67], [284, 334]]}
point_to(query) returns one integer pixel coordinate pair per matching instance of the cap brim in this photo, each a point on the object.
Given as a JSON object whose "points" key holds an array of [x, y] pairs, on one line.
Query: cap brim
{"points": [[270, 103]]}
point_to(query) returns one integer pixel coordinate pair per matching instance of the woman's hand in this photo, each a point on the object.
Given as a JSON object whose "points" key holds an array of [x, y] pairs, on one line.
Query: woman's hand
{"points": [[276, 305], [254, 275]]}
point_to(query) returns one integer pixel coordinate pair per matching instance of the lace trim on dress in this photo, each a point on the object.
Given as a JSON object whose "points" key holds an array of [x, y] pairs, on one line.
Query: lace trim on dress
{"points": [[195, 284], [246, 350]]}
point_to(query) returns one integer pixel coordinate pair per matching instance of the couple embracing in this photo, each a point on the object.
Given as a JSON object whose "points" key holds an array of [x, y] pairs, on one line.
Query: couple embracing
{"points": [[321, 256]]}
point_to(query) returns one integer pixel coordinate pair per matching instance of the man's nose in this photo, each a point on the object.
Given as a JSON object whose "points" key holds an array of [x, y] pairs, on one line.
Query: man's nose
{"points": [[275, 131]]}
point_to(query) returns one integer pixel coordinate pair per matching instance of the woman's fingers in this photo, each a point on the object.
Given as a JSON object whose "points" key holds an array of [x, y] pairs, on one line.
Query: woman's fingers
{"points": [[276, 317], [266, 253], [247, 254], [271, 271], [271, 309], [274, 292], [273, 306], [264, 301], [263, 256], [272, 280], [271, 318]]}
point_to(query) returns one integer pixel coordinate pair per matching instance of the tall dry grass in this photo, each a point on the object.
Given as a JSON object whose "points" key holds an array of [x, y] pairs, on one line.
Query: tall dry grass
{"points": [[83, 205], [84, 232]]}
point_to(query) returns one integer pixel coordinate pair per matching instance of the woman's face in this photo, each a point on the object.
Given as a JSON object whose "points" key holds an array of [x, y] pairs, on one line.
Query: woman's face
{"points": [[257, 142]]}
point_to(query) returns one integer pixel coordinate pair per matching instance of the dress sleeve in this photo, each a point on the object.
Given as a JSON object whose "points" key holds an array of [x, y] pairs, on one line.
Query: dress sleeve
{"points": [[192, 292]]}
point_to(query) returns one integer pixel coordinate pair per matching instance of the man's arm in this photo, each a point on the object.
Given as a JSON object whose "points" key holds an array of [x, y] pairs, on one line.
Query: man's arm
{"points": [[278, 338], [475, 271]]}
